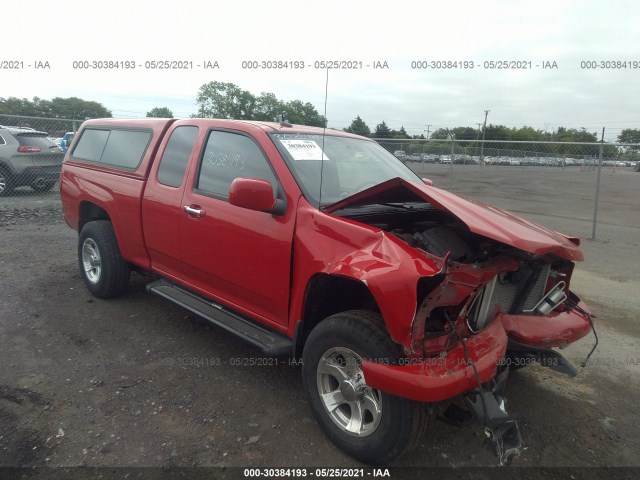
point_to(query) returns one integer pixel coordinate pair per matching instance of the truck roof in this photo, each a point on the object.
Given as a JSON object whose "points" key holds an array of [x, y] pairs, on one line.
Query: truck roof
{"points": [[269, 127]]}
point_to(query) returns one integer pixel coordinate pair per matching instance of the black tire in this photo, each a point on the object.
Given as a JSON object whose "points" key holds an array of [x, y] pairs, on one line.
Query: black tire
{"points": [[6, 182], [401, 422], [44, 187], [104, 271]]}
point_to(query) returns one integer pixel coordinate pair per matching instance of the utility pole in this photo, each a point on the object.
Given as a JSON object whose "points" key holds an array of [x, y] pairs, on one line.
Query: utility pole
{"points": [[478, 138], [453, 145], [422, 156], [484, 130], [595, 207]]}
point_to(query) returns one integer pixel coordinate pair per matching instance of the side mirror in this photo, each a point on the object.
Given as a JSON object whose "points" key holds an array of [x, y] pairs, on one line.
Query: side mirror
{"points": [[428, 181], [255, 194]]}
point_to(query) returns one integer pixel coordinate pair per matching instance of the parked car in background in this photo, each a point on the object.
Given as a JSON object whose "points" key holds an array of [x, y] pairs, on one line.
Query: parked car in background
{"points": [[28, 157], [399, 154], [430, 158], [65, 141], [462, 160]]}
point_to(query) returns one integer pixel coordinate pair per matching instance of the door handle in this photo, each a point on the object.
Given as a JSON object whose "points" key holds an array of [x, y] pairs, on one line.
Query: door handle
{"points": [[194, 211]]}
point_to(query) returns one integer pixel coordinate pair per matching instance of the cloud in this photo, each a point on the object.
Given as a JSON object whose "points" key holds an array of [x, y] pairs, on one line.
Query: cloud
{"points": [[399, 33]]}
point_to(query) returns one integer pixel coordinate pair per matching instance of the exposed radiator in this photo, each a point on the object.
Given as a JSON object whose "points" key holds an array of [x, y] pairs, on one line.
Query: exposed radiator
{"points": [[502, 293]]}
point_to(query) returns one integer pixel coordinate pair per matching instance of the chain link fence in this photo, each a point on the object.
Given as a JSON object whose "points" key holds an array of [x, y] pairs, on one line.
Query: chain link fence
{"points": [[31, 154], [589, 190]]}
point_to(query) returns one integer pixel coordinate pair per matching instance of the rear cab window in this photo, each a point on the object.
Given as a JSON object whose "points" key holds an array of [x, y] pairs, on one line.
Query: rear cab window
{"points": [[175, 158], [120, 148]]}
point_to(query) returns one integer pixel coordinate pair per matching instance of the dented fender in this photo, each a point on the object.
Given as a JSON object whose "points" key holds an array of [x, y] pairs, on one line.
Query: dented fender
{"points": [[388, 267]]}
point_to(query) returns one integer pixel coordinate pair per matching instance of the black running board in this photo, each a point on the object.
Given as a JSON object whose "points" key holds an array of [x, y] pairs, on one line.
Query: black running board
{"points": [[268, 341]]}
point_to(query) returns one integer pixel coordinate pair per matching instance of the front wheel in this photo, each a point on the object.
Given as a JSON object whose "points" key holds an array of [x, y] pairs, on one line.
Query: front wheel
{"points": [[372, 426], [104, 271]]}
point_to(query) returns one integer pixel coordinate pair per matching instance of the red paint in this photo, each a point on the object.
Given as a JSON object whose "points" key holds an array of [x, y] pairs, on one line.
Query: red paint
{"points": [[385, 264], [436, 379], [261, 264], [252, 193], [481, 218], [553, 330]]}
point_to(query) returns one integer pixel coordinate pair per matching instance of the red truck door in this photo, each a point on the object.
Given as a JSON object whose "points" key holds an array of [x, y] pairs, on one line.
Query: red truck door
{"points": [[239, 256], [162, 200]]}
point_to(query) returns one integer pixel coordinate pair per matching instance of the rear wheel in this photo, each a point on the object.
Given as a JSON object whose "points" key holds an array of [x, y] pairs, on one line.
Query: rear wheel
{"points": [[6, 182], [104, 271], [370, 425]]}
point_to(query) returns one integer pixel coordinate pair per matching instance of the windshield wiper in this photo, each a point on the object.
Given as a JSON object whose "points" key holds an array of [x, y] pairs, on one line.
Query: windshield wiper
{"points": [[398, 205]]}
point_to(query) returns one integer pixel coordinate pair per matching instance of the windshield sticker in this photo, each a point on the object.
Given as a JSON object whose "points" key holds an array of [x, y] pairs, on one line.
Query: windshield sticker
{"points": [[304, 150]]}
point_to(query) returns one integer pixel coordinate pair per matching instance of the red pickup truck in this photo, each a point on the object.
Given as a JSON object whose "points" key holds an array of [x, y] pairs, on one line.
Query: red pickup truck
{"points": [[398, 297]]}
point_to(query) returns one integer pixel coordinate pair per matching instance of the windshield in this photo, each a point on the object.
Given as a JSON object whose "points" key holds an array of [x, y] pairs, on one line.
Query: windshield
{"points": [[345, 165]]}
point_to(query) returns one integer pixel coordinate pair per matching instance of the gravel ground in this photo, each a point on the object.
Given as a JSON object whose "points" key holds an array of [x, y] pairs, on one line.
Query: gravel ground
{"points": [[137, 381]]}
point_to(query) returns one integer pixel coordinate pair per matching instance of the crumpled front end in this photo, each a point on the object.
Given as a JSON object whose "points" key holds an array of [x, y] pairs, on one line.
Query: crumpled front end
{"points": [[466, 324], [477, 320], [498, 297]]}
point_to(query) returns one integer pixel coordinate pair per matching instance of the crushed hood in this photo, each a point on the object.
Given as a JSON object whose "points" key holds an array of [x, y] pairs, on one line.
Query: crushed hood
{"points": [[481, 218]]}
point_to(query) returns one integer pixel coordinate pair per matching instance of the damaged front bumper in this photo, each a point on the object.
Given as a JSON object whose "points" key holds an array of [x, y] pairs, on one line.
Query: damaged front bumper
{"points": [[445, 376], [451, 373], [477, 367], [474, 368]]}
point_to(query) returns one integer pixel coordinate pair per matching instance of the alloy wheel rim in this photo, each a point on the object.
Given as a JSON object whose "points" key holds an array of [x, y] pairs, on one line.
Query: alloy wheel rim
{"points": [[91, 260], [353, 406]]}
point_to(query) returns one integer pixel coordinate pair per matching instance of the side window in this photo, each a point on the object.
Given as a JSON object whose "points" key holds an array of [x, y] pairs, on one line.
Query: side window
{"points": [[228, 156], [91, 145], [119, 148], [176, 156]]}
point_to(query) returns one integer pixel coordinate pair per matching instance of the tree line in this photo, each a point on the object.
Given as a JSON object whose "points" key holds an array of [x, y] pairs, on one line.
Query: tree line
{"points": [[469, 138], [227, 100]]}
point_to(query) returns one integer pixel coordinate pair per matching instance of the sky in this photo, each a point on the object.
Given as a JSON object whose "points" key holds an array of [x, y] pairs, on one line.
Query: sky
{"points": [[569, 37]]}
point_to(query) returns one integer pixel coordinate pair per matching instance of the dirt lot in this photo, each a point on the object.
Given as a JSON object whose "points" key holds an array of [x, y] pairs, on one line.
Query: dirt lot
{"points": [[137, 381]]}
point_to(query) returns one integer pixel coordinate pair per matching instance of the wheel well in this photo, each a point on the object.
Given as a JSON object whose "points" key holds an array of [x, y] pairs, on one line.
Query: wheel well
{"points": [[327, 295], [90, 212]]}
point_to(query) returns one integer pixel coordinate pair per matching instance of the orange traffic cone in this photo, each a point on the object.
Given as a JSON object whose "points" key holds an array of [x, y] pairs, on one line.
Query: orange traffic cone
{"points": [[614, 169], [582, 168]]}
